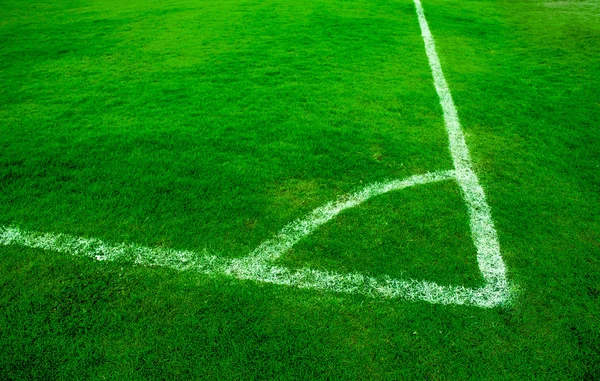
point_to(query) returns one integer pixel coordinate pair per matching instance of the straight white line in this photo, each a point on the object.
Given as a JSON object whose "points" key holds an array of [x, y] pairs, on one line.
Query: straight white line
{"points": [[307, 278], [99, 250], [482, 227], [487, 296]]}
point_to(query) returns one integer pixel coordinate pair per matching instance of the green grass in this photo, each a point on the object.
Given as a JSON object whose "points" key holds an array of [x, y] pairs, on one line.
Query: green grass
{"points": [[210, 125]]}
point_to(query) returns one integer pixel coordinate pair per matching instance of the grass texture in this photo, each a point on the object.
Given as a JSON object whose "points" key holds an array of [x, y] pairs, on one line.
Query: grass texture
{"points": [[209, 125]]}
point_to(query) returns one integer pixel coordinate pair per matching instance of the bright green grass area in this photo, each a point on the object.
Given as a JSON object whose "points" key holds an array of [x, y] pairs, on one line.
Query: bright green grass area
{"points": [[210, 125]]}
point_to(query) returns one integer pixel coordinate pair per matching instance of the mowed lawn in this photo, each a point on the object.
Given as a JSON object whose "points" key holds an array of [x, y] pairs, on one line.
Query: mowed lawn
{"points": [[210, 125]]}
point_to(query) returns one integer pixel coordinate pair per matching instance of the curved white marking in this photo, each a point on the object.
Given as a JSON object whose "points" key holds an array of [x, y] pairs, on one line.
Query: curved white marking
{"points": [[295, 231]]}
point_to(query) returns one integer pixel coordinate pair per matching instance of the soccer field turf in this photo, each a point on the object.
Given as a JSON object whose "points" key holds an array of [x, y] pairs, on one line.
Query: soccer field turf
{"points": [[203, 133]]}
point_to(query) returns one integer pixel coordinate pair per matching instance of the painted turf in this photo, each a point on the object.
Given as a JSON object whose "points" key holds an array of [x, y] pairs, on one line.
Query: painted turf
{"points": [[258, 265]]}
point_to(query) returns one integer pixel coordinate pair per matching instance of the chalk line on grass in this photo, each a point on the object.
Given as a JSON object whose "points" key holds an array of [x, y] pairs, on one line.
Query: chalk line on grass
{"points": [[258, 265], [482, 227], [99, 250]]}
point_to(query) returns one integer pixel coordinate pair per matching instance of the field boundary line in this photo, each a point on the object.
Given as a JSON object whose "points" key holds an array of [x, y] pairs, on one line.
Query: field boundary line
{"points": [[484, 234]]}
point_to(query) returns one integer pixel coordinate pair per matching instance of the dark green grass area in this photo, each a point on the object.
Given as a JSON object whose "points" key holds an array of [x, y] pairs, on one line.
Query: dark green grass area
{"points": [[210, 125]]}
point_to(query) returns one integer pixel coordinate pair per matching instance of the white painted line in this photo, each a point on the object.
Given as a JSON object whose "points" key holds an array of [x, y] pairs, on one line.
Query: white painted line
{"points": [[102, 251], [482, 227]]}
